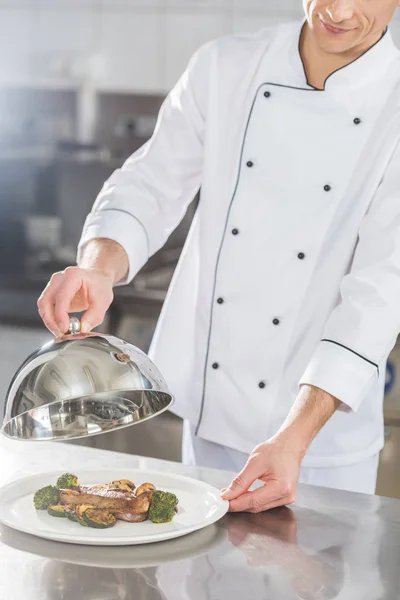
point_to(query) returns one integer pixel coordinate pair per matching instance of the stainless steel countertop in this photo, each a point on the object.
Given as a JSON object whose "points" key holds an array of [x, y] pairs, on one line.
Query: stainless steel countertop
{"points": [[329, 545]]}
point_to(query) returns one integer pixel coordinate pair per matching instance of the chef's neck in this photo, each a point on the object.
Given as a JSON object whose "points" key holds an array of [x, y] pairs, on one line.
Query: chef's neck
{"points": [[320, 64]]}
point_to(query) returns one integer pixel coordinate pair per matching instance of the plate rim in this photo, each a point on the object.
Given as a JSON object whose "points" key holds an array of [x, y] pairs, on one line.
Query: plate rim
{"points": [[222, 509]]}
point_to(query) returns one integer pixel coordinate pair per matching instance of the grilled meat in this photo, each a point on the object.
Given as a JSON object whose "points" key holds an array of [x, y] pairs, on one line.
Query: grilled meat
{"points": [[131, 517], [98, 490], [107, 499]]}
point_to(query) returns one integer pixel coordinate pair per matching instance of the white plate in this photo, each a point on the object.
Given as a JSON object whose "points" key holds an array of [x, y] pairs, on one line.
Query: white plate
{"points": [[200, 505]]}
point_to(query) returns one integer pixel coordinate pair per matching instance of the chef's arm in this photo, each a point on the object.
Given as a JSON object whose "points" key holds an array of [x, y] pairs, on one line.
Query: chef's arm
{"points": [[144, 201], [312, 408], [363, 328], [277, 461], [107, 256]]}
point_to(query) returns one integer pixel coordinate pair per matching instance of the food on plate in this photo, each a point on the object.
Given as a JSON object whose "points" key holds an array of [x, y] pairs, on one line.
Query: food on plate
{"points": [[99, 519], [80, 513], [101, 505], [106, 499], [57, 510], [67, 481], [131, 517], [163, 507], [145, 487], [45, 497], [123, 484], [70, 513]]}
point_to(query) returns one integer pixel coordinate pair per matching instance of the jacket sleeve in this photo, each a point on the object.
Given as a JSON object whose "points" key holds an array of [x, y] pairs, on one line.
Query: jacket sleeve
{"points": [[144, 201], [363, 328]]}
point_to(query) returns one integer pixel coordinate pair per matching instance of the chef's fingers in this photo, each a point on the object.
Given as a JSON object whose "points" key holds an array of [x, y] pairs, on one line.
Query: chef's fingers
{"points": [[62, 298], [45, 304], [99, 302], [271, 495], [244, 480]]}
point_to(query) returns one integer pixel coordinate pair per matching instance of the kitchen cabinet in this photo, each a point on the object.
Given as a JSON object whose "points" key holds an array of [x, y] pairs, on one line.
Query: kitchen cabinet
{"points": [[59, 4], [19, 3], [183, 38], [209, 5], [287, 6], [131, 45], [64, 40], [251, 23], [62, 30], [16, 32], [131, 4]]}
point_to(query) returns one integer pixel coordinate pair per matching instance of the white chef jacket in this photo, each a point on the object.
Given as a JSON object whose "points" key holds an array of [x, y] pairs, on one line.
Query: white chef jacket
{"points": [[291, 271]]}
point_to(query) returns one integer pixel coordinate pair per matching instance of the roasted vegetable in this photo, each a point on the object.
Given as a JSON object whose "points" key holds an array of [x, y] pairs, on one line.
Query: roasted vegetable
{"points": [[123, 484], [99, 519], [166, 497], [80, 513], [67, 481], [45, 497], [57, 511], [145, 487], [70, 512], [162, 507]]}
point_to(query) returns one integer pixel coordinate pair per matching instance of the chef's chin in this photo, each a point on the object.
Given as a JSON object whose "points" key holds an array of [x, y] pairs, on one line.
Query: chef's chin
{"points": [[336, 43]]}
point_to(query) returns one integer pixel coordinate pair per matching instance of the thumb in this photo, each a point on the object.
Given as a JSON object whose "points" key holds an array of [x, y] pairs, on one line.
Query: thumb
{"points": [[243, 481], [94, 315]]}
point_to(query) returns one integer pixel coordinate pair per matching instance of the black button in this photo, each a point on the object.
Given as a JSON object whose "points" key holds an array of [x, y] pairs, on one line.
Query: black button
{"points": [[357, 121], [250, 164], [215, 366], [267, 94], [276, 321], [327, 188], [262, 385], [301, 255], [235, 231], [220, 300]]}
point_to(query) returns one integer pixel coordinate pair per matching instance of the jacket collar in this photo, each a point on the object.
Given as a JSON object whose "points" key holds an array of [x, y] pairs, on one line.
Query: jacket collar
{"points": [[364, 70]]}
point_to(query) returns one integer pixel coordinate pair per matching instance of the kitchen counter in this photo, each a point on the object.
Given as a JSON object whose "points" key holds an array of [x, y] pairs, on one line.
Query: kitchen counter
{"points": [[329, 545]]}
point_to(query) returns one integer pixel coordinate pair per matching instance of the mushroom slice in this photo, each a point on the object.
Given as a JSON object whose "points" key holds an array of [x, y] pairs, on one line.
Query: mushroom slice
{"points": [[123, 484], [145, 487]]}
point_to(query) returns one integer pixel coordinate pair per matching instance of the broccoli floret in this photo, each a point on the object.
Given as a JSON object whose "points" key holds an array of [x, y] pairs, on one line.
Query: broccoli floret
{"points": [[163, 507], [45, 497], [166, 497], [67, 481]]}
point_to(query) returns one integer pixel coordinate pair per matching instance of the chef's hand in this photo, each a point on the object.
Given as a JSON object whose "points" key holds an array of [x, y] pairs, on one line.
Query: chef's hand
{"points": [[276, 463], [76, 290]]}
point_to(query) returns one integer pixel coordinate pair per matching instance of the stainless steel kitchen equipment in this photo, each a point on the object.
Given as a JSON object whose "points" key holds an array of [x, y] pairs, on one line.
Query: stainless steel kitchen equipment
{"points": [[82, 385]]}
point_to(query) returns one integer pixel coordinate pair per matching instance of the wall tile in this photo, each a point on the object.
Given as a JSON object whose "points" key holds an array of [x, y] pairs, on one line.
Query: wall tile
{"points": [[131, 46], [182, 39]]}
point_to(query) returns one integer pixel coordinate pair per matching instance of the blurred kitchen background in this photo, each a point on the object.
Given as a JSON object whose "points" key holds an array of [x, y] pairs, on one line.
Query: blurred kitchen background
{"points": [[81, 82]]}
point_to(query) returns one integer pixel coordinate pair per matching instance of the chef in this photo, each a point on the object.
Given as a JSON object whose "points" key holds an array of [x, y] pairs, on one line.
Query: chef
{"points": [[286, 300]]}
